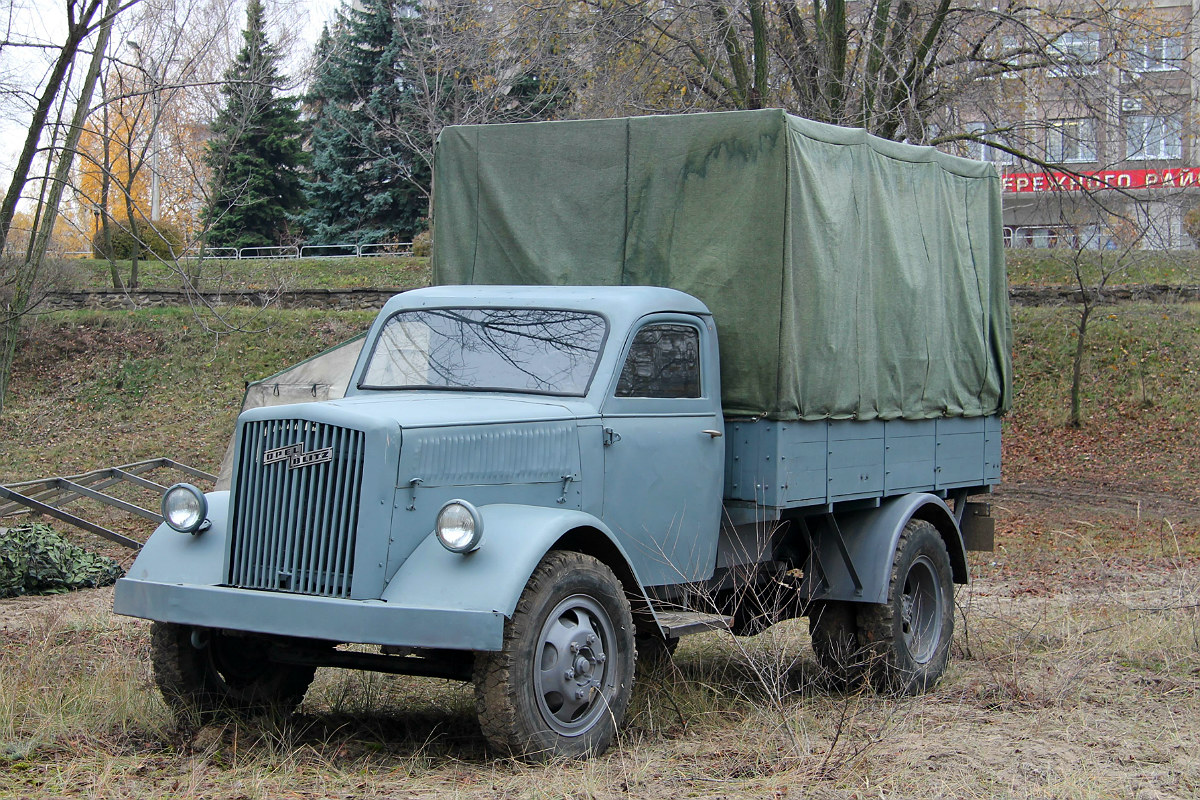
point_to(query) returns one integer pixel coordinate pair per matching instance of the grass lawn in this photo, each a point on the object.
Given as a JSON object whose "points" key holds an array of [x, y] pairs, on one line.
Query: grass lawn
{"points": [[1047, 267]]}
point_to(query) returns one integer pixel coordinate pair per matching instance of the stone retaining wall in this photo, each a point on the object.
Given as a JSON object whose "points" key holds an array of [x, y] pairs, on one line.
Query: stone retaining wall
{"points": [[373, 299], [340, 299], [1066, 295]]}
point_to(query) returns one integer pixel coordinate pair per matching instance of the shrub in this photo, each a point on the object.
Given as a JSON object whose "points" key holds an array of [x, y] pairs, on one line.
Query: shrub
{"points": [[1191, 224], [422, 244], [164, 241]]}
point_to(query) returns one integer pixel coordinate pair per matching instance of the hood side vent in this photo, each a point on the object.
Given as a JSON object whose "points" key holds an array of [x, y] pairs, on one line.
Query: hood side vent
{"points": [[492, 454]]}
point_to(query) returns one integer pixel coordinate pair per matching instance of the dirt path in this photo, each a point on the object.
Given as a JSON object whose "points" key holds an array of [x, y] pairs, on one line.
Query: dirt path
{"points": [[1128, 499]]}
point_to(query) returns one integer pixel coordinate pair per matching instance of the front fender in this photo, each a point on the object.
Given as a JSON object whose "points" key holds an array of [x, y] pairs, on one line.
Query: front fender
{"points": [[173, 557], [515, 538]]}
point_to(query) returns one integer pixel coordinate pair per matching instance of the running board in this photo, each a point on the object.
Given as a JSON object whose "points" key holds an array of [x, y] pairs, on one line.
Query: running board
{"points": [[684, 623], [47, 496]]}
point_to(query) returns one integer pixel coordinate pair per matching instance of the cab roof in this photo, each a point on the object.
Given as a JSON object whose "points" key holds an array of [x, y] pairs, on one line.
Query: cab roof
{"points": [[622, 305]]}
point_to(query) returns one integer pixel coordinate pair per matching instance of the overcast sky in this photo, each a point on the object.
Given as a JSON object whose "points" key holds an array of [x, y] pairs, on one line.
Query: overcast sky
{"points": [[44, 21]]}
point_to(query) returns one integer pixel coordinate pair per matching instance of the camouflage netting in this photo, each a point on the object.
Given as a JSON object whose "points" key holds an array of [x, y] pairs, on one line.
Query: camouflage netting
{"points": [[36, 560]]}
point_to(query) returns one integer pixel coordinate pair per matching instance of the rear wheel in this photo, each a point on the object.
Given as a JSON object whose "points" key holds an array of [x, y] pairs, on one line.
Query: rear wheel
{"points": [[833, 626], [908, 637], [561, 684], [208, 673]]}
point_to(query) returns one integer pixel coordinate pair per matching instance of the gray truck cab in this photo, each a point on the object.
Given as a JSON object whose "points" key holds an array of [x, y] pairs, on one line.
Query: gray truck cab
{"points": [[483, 429]]}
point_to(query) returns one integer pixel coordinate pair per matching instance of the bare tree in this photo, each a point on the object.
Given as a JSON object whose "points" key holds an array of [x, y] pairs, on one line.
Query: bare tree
{"points": [[80, 24], [471, 63], [20, 274], [144, 158], [1090, 145]]}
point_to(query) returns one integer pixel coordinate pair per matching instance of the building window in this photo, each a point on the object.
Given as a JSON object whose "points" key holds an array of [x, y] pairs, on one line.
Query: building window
{"points": [[1158, 54], [1153, 137], [1070, 141], [1075, 53], [982, 152]]}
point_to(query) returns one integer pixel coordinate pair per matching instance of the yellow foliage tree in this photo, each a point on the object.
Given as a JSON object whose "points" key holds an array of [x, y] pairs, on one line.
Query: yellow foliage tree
{"points": [[136, 120]]}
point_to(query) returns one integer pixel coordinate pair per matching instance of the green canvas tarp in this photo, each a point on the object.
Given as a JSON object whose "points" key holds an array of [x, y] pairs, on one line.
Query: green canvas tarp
{"points": [[851, 277]]}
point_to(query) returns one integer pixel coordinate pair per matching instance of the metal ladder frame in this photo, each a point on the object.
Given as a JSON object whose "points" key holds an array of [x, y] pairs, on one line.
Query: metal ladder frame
{"points": [[48, 495]]}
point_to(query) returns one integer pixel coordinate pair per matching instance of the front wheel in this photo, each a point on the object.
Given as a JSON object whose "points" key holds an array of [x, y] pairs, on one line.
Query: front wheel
{"points": [[209, 673], [908, 637], [561, 684]]}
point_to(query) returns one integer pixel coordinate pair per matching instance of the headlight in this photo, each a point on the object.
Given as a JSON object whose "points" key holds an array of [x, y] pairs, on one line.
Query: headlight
{"points": [[185, 509], [459, 527]]}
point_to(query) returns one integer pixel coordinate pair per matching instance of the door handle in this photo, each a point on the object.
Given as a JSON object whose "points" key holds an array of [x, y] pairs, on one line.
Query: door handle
{"points": [[713, 434]]}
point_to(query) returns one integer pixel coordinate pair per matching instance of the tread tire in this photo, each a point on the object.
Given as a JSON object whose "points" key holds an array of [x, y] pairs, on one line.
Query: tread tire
{"points": [[833, 626], [514, 719], [228, 676], [908, 637]]}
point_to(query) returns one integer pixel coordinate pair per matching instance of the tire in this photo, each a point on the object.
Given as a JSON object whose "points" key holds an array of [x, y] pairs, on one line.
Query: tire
{"points": [[206, 673], [908, 637], [561, 684], [833, 626]]}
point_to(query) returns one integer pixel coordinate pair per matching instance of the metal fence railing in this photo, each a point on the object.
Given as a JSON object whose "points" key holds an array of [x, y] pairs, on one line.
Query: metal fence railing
{"points": [[386, 249], [329, 251], [1070, 237], [269, 252], [195, 253]]}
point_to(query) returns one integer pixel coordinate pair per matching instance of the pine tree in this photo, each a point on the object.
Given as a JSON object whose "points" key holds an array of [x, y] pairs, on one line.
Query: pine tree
{"points": [[255, 152], [366, 183]]}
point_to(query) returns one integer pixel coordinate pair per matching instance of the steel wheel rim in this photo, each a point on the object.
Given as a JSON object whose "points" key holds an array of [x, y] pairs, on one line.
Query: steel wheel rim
{"points": [[921, 610], [573, 672]]}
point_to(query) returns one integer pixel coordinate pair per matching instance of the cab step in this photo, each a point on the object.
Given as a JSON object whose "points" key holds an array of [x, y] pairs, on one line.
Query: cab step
{"points": [[684, 623]]}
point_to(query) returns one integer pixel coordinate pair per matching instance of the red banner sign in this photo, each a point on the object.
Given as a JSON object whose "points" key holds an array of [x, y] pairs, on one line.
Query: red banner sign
{"points": [[1170, 178]]}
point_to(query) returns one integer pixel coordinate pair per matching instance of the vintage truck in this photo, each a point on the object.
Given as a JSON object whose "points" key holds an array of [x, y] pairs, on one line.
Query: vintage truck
{"points": [[532, 479]]}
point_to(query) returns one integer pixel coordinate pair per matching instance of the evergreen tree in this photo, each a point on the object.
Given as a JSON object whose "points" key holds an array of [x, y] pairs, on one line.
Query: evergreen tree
{"points": [[366, 183], [255, 152]]}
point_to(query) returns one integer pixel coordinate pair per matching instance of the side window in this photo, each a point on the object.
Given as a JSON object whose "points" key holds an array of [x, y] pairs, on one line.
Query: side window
{"points": [[664, 361]]}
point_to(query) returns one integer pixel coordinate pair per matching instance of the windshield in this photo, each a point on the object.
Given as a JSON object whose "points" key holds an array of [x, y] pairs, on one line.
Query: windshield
{"points": [[537, 350]]}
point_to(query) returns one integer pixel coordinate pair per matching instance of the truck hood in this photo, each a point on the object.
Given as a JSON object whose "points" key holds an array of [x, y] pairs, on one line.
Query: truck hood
{"points": [[441, 409]]}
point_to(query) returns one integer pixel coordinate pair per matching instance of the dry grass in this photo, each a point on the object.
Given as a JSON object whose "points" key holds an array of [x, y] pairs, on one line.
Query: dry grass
{"points": [[1077, 660], [1089, 692]]}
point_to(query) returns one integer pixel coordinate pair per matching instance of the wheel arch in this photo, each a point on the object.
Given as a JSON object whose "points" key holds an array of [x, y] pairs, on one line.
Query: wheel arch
{"points": [[593, 541], [870, 538], [942, 519], [515, 540]]}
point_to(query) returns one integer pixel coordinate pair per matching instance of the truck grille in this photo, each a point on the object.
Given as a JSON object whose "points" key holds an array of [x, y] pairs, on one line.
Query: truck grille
{"points": [[296, 503]]}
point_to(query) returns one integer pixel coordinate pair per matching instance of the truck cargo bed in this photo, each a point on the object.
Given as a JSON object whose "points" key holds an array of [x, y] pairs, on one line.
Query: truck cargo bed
{"points": [[782, 465]]}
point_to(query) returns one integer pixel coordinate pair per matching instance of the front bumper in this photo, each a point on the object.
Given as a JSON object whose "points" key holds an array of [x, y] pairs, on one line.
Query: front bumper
{"points": [[335, 620]]}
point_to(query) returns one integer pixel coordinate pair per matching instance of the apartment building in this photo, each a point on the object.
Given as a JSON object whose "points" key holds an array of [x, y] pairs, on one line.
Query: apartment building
{"points": [[1112, 124]]}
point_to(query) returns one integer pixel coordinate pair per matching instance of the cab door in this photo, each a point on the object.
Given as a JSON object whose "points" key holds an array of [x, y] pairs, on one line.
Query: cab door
{"points": [[664, 451]]}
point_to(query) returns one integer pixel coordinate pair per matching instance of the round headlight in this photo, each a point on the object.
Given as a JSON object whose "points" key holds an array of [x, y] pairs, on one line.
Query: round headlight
{"points": [[459, 527], [185, 509]]}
